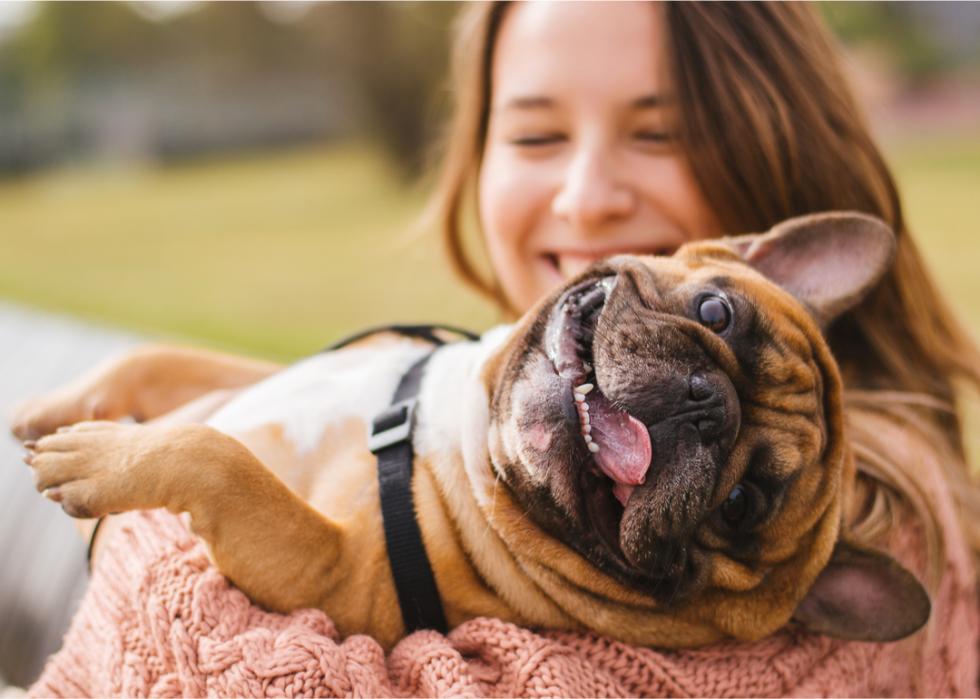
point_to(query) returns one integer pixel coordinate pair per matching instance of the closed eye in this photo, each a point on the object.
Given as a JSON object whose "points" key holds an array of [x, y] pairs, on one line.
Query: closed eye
{"points": [[653, 136], [538, 140]]}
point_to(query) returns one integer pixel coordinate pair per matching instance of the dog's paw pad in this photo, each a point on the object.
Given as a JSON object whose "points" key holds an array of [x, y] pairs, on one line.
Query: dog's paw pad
{"points": [[78, 510], [76, 500]]}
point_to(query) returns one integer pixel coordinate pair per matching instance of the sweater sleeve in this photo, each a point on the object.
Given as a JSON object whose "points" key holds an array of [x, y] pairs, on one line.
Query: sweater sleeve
{"points": [[159, 620]]}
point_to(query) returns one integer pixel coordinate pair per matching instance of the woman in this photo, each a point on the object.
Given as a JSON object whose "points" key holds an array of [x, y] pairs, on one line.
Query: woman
{"points": [[581, 142], [583, 131]]}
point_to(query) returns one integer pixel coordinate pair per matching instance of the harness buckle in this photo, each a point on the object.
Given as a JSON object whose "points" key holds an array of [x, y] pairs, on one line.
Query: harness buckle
{"points": [[393, 425]]}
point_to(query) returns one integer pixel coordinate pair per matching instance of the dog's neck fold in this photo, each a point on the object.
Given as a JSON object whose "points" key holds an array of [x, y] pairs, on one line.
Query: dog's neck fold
{"points": [[455, 479]]}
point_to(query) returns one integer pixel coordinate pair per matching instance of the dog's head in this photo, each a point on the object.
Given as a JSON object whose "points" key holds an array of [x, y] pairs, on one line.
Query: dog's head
{"points": [[678, 422]]}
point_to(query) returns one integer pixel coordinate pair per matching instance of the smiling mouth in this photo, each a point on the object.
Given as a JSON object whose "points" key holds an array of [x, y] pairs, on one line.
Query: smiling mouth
{"points": [[618, 444]]}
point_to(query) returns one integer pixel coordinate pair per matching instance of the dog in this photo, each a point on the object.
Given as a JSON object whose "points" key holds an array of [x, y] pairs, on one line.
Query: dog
{"points": [[655, 452]]}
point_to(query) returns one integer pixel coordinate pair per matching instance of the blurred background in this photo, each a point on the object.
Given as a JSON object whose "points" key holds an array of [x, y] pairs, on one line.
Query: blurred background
{"points": [[247, 175]]}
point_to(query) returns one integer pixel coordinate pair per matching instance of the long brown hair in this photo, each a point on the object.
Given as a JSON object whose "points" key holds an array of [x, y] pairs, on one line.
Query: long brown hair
{"points": [[771, 130]]}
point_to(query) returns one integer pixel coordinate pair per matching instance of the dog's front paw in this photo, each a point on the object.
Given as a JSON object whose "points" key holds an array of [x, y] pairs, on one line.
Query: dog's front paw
{"points": [[66, 406], [95, 468]]}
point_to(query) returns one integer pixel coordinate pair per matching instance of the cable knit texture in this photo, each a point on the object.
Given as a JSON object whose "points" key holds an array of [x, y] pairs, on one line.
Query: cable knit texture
{"points": [[160, 620]]}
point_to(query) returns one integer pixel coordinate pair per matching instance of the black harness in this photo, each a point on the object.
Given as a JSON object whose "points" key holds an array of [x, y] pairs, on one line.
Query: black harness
{"points": [[391, 442]]}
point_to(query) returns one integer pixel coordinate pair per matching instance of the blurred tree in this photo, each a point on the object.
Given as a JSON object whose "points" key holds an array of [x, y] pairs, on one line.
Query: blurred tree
{"points": [[393, 58], [82, 75], [908, 35], [48, 63]]}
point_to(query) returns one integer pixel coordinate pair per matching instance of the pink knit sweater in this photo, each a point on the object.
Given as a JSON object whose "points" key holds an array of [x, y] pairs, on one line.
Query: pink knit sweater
{"points": [[159, 620]]}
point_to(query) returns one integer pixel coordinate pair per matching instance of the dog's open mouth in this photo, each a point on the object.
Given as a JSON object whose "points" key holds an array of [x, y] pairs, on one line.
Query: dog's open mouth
{"points": [[619, 444]]}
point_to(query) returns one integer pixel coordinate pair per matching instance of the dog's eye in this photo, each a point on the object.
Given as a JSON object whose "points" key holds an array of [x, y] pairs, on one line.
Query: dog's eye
{"points": [[737, 506], [744, 508], [714, 313]]}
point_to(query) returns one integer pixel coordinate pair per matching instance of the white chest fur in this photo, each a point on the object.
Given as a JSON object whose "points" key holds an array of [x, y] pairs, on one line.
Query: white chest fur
{"points": [[308, 397]]}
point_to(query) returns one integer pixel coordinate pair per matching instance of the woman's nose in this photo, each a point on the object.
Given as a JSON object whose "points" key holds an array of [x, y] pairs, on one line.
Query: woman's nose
{"points": [[591, 195]]}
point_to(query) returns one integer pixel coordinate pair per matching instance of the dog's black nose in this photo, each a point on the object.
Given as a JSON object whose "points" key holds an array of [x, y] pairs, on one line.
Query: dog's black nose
{"points": [[716, 411], [699, 387]]}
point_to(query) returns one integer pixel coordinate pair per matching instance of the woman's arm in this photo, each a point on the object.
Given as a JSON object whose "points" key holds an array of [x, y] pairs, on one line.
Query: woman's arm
{"points": [[150, 562]]}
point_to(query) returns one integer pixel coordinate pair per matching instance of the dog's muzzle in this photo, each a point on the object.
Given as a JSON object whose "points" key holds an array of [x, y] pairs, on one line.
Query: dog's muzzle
{"points": [[654, 413]]}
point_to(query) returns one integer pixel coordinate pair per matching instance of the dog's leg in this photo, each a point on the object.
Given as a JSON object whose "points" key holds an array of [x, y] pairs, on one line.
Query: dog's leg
{"points": [[197, 410], [262, 536], [144, 383]]}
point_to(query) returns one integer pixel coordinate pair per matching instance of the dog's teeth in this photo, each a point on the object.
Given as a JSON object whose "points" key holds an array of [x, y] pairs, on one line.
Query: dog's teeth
{"points": [[584, 389], [587, 367], [579, 397], [587, 429], [585, 406], [593, 447], [587, 438], [585, 418]]}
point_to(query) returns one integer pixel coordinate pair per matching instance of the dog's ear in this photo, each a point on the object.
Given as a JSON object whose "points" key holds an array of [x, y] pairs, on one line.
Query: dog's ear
{"points": [[864, 595], [828, 261]]}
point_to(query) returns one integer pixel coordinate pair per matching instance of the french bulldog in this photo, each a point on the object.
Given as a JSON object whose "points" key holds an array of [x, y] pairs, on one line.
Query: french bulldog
{"points": [[655, 452]]}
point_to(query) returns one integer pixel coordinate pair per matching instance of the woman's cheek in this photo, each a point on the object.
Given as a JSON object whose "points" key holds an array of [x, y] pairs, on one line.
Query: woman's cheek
{"points": [[514, 205], [509, 201], [677, 197]]}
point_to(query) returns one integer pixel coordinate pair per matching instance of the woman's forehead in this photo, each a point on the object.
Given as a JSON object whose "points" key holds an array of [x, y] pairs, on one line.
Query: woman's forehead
{"points": [[548, 53]]}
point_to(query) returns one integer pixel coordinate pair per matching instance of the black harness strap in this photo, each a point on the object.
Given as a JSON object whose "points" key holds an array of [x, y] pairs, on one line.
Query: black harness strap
{"points": [[423, 332], [391, 442]]}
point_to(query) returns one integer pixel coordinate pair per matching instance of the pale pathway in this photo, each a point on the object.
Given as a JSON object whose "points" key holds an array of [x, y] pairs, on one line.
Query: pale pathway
{"points": [[42, 558]]}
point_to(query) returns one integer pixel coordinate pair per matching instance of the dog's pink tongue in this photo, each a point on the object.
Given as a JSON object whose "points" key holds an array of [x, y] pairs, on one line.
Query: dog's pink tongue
{"points": [[624, 445]]}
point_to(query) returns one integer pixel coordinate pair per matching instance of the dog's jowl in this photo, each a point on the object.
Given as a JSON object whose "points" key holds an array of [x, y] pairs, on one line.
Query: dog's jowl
{"points": [[655, 452]]}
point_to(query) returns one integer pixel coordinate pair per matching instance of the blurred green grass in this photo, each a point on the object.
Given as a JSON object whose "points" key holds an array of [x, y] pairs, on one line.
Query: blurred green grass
{"points": [[276, 255], [939, 180], [272, 255]]}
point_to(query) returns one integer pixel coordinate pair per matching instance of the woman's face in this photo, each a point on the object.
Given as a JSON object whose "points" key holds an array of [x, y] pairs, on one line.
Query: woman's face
{"points": [[579, 162]]}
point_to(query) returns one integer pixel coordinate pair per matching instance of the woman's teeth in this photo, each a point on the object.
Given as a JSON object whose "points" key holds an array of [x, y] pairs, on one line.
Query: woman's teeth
{"points": [[571, 265]]}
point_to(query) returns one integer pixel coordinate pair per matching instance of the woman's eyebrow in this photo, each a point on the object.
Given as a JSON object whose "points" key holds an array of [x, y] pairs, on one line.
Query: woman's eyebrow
{"points": [[651, 101], [529, 102]]}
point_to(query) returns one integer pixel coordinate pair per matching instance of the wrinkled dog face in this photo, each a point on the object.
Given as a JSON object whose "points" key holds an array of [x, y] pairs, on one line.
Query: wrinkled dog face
{"points": [[670, 418], [644, 404]]}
